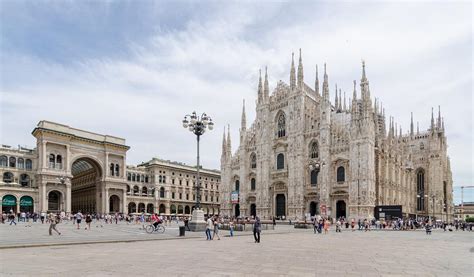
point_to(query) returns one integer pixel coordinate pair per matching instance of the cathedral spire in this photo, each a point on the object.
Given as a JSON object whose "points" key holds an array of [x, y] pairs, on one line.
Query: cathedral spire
{"points": [[292, 72], [243, 122], [229, 144], [325, 85], [316, 82], [344, 107], [224, 144], [260, 89], [432, 120], [411, 125], [340, 100], [300, 72], [266, 89], [336, 102], [439, 117], [354, 101], [417, 128]]}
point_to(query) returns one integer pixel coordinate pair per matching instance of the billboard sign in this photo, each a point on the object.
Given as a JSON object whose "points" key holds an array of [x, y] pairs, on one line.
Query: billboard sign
{"points": [[234, 197]]}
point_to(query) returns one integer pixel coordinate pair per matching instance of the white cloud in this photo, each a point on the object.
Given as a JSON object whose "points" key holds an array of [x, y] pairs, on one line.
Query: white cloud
{"points": [[417, 56]]}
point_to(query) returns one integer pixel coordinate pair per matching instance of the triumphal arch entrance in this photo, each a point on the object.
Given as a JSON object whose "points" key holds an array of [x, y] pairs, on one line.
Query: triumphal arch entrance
{"points": [[80, 170]]}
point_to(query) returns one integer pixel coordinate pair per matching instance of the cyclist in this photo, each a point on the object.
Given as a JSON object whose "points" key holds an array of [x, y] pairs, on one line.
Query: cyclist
{"points": [[156, 220]]}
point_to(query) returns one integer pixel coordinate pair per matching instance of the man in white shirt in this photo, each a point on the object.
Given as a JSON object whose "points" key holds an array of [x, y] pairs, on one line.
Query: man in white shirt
{"points": [[79, 219], [209, 227]]}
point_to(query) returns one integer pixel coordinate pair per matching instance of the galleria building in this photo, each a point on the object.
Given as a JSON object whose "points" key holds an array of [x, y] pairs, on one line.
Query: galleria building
{"points": [[304, 155], [72, 170]]}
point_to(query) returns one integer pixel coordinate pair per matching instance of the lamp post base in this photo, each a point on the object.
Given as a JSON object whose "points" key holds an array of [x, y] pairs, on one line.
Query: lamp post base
{"points": [[197, 223]]}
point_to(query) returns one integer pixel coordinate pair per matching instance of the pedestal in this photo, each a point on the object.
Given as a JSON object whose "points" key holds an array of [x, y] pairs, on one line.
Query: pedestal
{"points": [[197, 223]]}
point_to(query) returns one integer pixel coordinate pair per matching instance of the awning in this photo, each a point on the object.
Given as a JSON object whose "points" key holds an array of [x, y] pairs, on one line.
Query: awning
{"points": [[9, 200], [26, 201]]}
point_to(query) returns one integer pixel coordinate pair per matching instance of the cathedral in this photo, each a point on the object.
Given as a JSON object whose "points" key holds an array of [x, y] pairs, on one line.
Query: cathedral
{"points": [[304, 155]]}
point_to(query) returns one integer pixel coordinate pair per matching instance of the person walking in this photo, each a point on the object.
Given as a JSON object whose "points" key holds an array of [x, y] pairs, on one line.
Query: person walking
{"points": [[231, 227], [53, 220], [88, 221], [216, 229], [353, 225], [12, 218], [209, 227], [79, 217], [257, 229], [338, 226], [326, 226]]}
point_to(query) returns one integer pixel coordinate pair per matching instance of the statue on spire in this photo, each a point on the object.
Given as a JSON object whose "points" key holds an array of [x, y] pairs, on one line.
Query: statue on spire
{"points": [[316, 83], [266, 89], [300, 72], [260, 88]]}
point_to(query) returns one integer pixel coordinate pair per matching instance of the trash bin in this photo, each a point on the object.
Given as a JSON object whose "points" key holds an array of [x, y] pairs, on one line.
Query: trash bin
{"points": [[181, 231]]}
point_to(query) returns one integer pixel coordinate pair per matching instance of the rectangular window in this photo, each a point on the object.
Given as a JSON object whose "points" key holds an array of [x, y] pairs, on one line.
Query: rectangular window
{"points": [[172, 195]]}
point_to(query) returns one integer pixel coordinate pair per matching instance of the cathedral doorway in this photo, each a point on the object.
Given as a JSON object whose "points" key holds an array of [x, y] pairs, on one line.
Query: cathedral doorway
{"points": [[54, 201], [253, 210], [237, 210], [280, 205], [86, 176], [340, 208], [313, 208]]}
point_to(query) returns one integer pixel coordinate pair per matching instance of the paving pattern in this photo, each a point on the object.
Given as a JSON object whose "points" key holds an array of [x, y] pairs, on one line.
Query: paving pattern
{"points": [[284, 251]]}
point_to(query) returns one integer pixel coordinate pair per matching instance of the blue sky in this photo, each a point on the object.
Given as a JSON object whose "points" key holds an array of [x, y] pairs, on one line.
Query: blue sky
{"points": [[134, 68]]}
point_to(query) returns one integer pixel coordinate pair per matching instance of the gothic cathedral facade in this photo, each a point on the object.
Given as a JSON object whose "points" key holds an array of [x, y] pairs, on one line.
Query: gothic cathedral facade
{"points": [[304, 155]]}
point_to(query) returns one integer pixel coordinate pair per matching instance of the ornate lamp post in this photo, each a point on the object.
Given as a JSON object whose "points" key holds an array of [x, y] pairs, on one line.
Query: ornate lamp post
{"points": [[198, 126]]}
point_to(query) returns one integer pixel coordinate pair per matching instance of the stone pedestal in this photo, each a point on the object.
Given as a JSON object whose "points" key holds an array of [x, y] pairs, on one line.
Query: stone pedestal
{"points": [[197, 223]]}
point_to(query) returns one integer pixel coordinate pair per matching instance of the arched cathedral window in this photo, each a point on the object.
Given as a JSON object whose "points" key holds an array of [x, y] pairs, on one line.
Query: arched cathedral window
{"points": [[314, 151], [252, 184], [314, 177], [280, 161], [281, 125], [341, 174], [253, 161], [237, 185]]}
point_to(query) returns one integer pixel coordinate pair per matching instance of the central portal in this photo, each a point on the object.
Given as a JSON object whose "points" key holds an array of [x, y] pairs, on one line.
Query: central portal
{"points": [[86, 176]]}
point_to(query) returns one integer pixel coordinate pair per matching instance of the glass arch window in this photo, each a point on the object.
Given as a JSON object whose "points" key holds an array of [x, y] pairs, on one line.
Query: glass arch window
{"points": [[280, 161], [162, 192], [3, 161], [52, 161], [252, 184], [420, 189], [21, 163], [341, 174], [314, 177], [117, 170], [28, 164], [237, 185], [59, 162], [314, 151], [12, 162], [281, 123], [8, 177]]}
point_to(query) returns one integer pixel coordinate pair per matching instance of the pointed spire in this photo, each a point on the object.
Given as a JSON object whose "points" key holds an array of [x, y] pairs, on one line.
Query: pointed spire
{"points": [[411, 125], [229, 143], [344, 107], [375, 106], [432, 120], [442, 123], [316, 82], [260, 89], [400, 131], [417, 128], [439, 117], [364, 77], [300, 72], [224, 143], [340, 100], [266, 89], [292, 72], [325, 85], [354, 101], [243, 122]]}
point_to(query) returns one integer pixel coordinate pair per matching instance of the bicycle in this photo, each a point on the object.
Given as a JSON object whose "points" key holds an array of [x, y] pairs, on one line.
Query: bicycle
{"points": [[151, 228]]}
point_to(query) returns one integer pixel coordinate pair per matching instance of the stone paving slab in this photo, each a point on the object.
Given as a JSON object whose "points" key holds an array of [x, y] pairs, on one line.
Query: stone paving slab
{"points": [[299, 253]]}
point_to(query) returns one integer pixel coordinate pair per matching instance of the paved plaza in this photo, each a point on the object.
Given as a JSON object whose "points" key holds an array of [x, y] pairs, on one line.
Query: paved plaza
{"points": [[284, 251]]}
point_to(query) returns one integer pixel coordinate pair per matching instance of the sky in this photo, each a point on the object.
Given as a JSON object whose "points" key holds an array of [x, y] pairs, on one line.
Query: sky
{"points": [[133, 69]]}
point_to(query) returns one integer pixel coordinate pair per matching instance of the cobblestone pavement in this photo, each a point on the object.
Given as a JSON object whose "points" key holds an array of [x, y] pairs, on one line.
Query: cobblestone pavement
{"points": [[290, 252]]}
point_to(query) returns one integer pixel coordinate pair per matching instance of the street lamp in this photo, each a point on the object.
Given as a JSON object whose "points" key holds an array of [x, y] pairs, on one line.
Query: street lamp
{"points": [[198, 126]]}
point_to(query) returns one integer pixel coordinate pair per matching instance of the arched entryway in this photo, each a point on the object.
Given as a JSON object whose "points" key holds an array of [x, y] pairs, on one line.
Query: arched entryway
{"points": [[54, 201], [26, 204], [313, 208], [187, 210], [86, 174], [132, 207], [253, 210], [150, 208], [340, 208], [9, 204], [237, 210], [162, 209], [280, 205], [141, 207], [114, 204]]}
